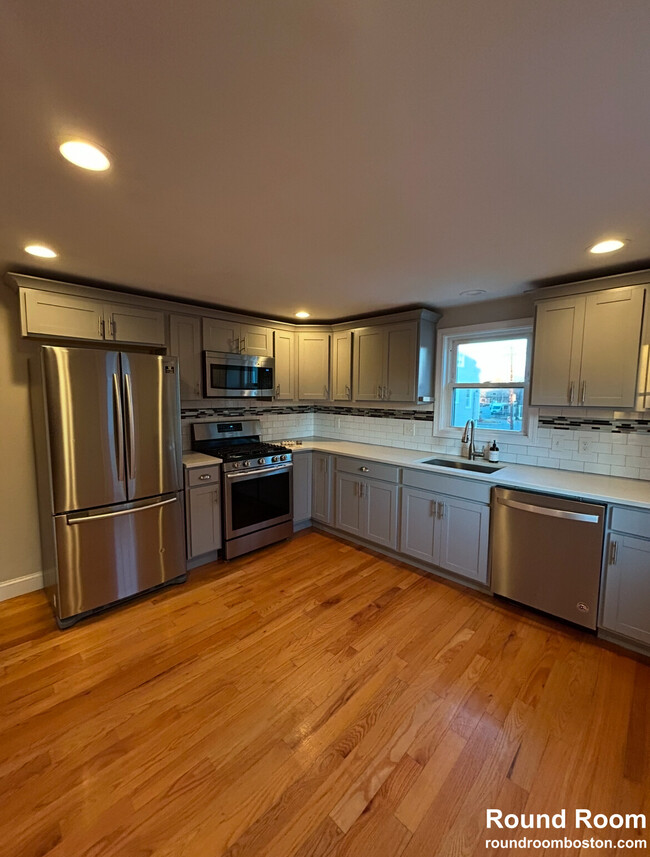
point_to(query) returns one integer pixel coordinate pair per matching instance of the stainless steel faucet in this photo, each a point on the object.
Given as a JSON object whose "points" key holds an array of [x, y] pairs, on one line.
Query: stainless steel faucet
{"points": [[468, 437]]}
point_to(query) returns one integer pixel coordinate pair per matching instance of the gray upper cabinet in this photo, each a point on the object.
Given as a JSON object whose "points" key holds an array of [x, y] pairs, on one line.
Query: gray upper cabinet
{"points": [[393, 362], [49, 313], [313, 365], [134, 324], [52, 314], [342, 365], [185, 343], [285, 365], [586, 349], [321, 495], [224, 335]]}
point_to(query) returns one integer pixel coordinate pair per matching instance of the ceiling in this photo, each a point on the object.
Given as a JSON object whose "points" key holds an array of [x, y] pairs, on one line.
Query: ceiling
{"points": [[341, 156]]}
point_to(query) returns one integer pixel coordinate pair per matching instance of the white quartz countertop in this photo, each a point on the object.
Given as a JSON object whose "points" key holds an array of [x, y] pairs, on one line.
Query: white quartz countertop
{"points": [[199, 459], [588, 486]]}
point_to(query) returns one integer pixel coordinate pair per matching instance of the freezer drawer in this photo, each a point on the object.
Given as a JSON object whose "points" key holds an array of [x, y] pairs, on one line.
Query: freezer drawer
{"points": [[546, 552], [115, 552]]}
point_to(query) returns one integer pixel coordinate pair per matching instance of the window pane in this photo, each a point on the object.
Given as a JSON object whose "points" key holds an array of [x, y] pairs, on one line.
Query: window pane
{"points": [[498, 409], [492, 362]]}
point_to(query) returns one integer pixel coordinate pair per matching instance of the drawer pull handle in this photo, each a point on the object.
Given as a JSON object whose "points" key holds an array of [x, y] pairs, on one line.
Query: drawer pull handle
{"points": [[204, 477], [364, 469]]}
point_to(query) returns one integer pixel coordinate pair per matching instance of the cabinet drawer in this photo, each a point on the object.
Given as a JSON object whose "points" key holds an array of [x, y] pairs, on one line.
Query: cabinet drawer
{"points": [[466, 489], [371, 469], [203, 475], [631, 521]]}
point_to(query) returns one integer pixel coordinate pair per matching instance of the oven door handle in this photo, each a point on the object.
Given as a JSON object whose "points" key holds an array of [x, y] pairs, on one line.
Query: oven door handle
{"points": [[260, 471]]}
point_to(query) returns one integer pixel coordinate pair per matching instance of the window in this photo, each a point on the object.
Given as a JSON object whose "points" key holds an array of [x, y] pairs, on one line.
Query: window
{"points": [[484, 375]]}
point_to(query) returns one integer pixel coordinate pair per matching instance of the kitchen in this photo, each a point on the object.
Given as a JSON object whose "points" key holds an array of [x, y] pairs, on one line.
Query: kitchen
{"points": [[592, 449]]}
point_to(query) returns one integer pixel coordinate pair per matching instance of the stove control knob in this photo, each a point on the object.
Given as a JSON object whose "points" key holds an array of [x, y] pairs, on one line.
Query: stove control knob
{"points": [[236, 464], [246, 463], [261, 460], [274, 459], [283, 458]]}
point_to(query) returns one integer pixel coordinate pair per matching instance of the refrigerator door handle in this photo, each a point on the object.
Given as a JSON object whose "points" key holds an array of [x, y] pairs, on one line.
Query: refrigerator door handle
{"points": [[79, 519], [130, 425], [119, 428]]}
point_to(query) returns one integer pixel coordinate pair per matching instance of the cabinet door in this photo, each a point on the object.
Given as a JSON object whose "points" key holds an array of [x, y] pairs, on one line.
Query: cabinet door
{"points": [[380, 512], [349, 516], [401, 362], [610, 351], [342, 366], [284, 365], [321, 497], [462, 531], [418, 524], [52, 314], [302, 489], [185, 343], [313, 365], [132, 324], [256, 340], [557, 350], [369, 375], [626, 606], [220, 335], [204, 520]]}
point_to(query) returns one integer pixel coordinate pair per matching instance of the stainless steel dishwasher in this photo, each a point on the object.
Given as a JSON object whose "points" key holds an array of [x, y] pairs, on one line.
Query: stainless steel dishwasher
{"points": [[546, 552]]}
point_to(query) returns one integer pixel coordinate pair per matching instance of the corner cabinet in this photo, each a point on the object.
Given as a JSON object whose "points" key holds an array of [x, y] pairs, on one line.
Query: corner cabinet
{"points": [[49, 313], [313, 365], [342, 366], [285, 365], [448, 531], [586, 349], [626, 595]]}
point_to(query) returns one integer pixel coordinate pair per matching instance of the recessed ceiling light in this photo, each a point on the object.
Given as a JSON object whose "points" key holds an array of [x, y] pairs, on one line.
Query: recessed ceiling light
{"points": [[472, 293], [41, 250], [302, 314], [84, 155], [607, 246]]}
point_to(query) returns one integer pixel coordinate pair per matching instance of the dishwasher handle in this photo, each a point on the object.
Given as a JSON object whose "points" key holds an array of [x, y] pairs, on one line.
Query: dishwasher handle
{"points": [[551, 513]]}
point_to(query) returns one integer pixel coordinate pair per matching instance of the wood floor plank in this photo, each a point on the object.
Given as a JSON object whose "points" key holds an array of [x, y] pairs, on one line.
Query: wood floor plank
{"points": [[313, 699]]}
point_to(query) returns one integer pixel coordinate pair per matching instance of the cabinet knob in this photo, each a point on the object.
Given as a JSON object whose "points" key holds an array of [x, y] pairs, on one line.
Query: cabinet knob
{"points": [[364, 469], [204, 477]]}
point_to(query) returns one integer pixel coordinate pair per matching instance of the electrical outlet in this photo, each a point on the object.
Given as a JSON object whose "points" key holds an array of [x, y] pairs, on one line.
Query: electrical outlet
{"points": [[585, 446], [409, 428], [557, 443]]}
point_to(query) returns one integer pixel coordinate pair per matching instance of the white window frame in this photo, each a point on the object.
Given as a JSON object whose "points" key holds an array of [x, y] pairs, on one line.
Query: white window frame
{"points": [[448, 340]]}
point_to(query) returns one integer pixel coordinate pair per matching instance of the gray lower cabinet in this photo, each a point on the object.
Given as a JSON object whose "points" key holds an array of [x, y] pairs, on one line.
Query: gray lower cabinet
{"points": [[302, 487], [449, 532], [367, 508], [202, 510], [321, 488], [626, 596]]}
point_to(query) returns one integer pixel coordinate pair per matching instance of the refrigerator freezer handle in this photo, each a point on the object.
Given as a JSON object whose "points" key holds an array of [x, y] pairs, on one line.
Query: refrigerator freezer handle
{"points": [[130, 427], [119, 428], [81, 519]]}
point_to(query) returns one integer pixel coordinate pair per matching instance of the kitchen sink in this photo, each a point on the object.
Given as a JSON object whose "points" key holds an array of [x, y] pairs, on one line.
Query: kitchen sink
{"points": [[462, 465]]}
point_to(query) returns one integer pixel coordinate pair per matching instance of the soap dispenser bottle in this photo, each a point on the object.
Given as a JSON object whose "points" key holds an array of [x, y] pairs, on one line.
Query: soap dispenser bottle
{"points": [[493, 452]]}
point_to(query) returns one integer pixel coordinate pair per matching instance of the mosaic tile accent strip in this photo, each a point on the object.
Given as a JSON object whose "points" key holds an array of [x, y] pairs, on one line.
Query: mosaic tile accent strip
{"points": [[381, 413], [591, 424]]}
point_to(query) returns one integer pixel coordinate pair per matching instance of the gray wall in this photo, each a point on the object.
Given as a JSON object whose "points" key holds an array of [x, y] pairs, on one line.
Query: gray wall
{"points": [[20, 551], [483, 312]]}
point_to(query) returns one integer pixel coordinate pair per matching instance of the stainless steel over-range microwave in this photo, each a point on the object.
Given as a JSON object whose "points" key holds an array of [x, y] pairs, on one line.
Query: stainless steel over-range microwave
{"points": [[234, 376]]}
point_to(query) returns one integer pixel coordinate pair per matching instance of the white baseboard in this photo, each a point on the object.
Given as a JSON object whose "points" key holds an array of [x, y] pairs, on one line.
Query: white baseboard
{"points": [[20, 585]]}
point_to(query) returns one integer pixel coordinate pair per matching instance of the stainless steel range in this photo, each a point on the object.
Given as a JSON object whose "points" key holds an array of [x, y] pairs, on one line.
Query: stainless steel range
{"points": [[257, 484]]}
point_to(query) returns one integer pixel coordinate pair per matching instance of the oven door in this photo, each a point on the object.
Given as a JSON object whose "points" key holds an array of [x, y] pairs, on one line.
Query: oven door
{"points": [[238, 375], [257, 499]]}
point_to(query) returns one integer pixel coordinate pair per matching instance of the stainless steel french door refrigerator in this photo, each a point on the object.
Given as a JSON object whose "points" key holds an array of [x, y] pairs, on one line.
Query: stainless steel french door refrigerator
{"points": [[107, 431]]}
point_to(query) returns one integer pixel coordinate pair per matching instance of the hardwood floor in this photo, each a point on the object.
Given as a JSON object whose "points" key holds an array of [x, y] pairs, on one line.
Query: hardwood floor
{"points": [[312, 699]]}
